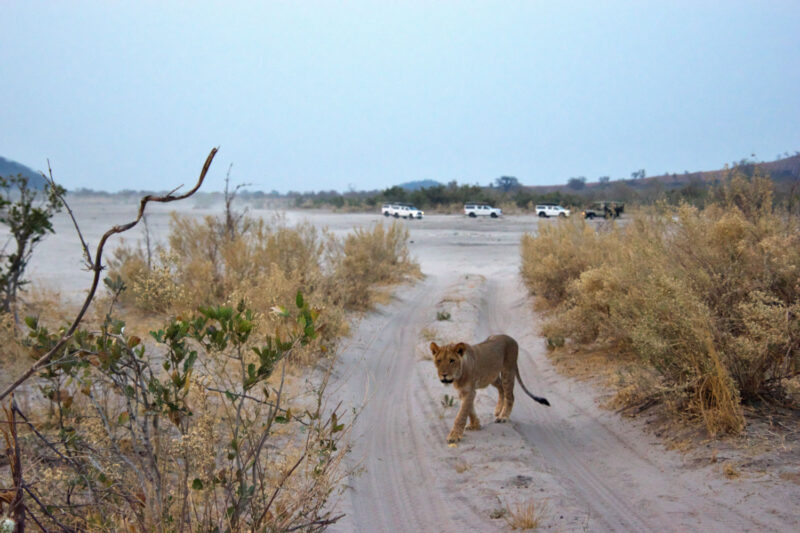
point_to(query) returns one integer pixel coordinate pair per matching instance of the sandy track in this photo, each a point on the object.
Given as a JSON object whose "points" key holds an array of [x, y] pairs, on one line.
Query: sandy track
{"points": [[593, 470], [394, 492]]}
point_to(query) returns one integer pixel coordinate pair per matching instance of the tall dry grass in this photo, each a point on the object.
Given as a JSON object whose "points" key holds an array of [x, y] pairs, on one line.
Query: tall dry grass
{"points": [[708, 298], [265, 264]]}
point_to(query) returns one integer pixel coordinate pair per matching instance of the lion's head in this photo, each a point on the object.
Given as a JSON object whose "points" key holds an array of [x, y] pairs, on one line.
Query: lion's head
{"points": [[448, 360]]}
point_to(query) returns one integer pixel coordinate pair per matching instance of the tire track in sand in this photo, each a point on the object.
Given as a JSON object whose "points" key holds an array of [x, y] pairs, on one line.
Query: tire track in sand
{"points": [[623, 485], [397, 489]]}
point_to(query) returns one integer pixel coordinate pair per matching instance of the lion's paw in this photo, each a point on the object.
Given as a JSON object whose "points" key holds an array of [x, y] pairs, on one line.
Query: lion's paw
{"points": [[501, 419], [453, 438], [475, 426]]}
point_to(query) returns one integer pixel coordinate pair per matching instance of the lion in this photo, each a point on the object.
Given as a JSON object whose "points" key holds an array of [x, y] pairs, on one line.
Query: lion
{"points": [[472, 367]]}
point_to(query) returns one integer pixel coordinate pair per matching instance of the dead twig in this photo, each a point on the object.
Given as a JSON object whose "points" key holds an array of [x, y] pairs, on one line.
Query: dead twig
{"points": [[16, 507], [318, 523], [87, 255]]}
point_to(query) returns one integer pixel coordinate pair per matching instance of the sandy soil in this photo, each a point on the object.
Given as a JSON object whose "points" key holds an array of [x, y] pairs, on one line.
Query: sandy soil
{"points": [[588, 468]]}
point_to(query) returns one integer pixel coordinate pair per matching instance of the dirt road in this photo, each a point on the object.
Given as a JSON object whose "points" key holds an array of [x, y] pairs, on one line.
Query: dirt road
{"points": [[586, 467]]}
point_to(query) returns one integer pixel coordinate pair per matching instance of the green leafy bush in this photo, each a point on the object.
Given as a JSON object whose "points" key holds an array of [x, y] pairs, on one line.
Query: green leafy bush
{"points": [[27, 223], [192, 431]]}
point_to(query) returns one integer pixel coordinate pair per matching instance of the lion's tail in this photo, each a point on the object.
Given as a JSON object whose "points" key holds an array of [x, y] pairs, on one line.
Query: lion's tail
{"points": [[539, 399]]}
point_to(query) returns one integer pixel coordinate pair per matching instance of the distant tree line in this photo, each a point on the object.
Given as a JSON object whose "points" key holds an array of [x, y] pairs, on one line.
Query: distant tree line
{"points": [[693, 188]]}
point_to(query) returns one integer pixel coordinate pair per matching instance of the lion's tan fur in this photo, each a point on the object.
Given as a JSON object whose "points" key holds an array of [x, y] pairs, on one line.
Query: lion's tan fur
{"points": [[472, 367]]}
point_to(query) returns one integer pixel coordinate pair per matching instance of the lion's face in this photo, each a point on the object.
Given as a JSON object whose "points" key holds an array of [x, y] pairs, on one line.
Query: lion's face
{"points": [[448, 360]]}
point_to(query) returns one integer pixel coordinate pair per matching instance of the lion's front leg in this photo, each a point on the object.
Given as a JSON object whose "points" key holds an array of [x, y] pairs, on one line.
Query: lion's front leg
{"points": [[467, 406], [474, 423]]}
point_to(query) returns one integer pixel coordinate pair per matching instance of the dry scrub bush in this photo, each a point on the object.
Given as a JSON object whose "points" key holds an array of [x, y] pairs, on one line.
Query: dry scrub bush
{"points": [[197, 436], [708, 298], [370, 259], [265, 264], [525, 516], [556, 256]]}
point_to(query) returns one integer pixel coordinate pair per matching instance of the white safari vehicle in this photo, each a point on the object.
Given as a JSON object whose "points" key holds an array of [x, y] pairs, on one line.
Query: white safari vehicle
{"points": [[551, 210], [481, 210], [401, 211]]}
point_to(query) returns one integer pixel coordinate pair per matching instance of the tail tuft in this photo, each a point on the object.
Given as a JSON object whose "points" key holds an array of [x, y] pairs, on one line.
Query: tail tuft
{"points": [[539, 399]]}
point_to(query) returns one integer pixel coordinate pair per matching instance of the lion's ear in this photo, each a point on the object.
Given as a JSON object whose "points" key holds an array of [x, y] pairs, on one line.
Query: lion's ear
{"points": [[434, 348], [461, 348]]}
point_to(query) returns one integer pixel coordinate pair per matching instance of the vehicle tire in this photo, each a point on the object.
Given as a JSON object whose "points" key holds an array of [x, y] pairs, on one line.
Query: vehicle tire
{"points": [[386, 214], [473, 215], [493, 215], [396, 215], [562, 215], [542, 214], [590, 216]]}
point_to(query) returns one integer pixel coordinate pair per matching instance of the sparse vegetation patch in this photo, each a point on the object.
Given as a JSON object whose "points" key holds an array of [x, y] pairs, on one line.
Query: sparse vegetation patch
{"points": [[525, 516]]}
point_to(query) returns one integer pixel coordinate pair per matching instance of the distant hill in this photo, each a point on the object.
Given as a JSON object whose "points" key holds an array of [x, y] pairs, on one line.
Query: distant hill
{"points": [[781, 169], [785, 169], [417, 185], [10, 168]]}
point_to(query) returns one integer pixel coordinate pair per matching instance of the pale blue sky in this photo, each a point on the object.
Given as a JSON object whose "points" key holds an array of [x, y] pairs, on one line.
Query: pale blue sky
{"points": [[309, 95]]}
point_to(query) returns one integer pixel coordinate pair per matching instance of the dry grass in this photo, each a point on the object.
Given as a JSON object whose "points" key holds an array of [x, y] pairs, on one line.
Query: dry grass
{"points": [[510, 208], [265, 264], [428, 334], [39, 301], [13, 358], [528, 515], [557, 256], [730, 471], [704, 298], [461, 466]]}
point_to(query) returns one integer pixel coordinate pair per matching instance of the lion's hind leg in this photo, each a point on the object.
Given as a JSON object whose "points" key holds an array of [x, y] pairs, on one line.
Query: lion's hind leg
{"points": [[508, 396], [498, 384]]}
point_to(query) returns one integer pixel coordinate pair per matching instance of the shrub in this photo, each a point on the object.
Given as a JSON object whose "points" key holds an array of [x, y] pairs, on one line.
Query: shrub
{"points": [[369, 259], [27, 223], [708, 298], [528, 515], [202, 435], [556, 256], [264, 264]]}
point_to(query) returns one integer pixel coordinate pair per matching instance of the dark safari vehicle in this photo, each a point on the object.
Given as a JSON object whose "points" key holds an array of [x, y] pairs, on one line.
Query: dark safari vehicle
{"points": [[604, 209]]}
